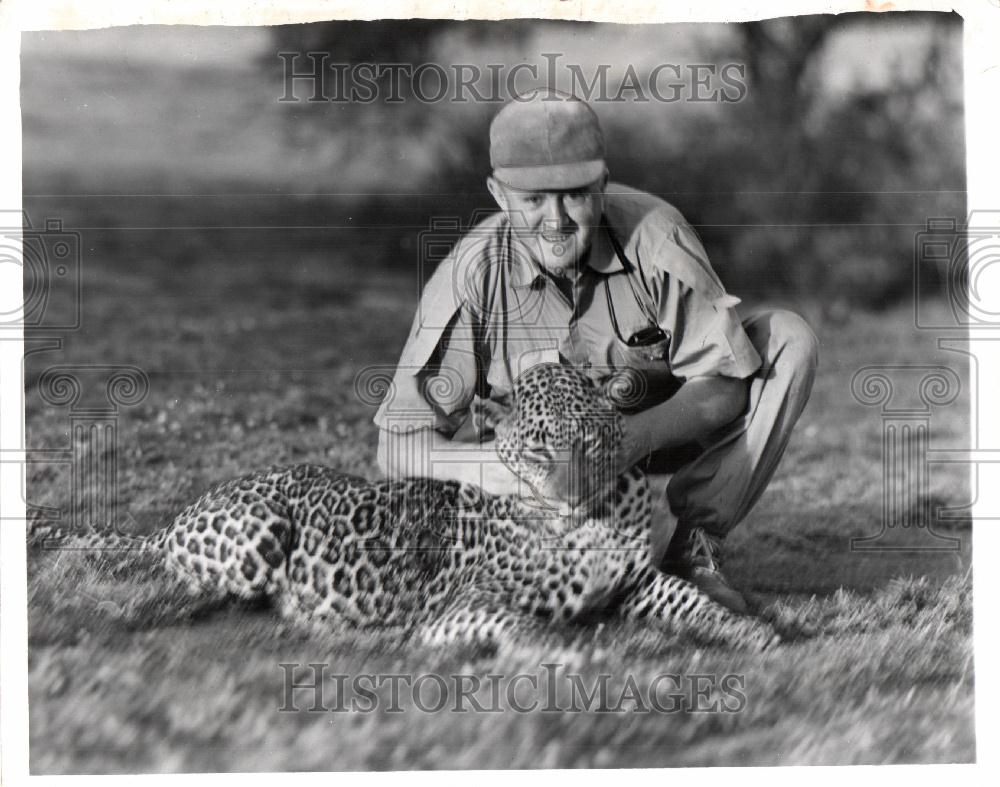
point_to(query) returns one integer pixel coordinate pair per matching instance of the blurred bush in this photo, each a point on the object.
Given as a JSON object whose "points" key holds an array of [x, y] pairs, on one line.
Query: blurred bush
{"points": [[849, 138], [812, 187]]}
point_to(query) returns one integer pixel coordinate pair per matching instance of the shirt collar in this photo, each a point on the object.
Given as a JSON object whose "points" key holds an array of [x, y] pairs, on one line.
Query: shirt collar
{"points": [[525, 272]]}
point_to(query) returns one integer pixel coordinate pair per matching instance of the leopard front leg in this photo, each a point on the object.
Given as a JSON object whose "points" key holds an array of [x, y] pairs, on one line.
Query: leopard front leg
{"points": [[478, 617], [680, 606]]}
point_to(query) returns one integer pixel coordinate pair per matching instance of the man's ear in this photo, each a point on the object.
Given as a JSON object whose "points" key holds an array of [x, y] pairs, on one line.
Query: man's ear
{"points": [[487, 413], [496, 191], [602, 189]]}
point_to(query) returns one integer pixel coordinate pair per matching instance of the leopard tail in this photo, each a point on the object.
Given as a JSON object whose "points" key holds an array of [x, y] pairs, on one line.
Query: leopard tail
{"points": [[46, 535]]}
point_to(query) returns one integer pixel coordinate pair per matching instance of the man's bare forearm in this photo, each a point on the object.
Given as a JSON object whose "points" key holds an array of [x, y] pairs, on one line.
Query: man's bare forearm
{"points": [[426, 453], [700, 407]]}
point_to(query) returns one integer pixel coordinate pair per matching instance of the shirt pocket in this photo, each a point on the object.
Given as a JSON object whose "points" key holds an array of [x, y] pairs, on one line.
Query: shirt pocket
{"points": [[641, 376]]}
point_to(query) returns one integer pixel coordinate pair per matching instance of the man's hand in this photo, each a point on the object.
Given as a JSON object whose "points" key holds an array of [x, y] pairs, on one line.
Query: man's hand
{"points": [[701, 406], [635, 445]]}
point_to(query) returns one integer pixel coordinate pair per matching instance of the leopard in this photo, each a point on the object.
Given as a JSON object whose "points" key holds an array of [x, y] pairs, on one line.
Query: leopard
{"points": [[444, 560]]}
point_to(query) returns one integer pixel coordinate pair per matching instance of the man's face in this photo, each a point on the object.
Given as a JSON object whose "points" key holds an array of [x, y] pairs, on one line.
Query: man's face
{"points": [[556, 226]]}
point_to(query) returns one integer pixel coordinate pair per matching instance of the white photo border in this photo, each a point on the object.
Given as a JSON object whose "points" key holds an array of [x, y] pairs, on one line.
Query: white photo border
{"points": [[982, 86]]}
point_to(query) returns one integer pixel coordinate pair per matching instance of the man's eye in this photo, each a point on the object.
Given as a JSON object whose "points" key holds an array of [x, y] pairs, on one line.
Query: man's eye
{"points": [[576, 197], [532, 200]]}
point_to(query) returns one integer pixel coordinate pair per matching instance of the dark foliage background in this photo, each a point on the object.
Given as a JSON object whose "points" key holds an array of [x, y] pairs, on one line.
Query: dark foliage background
{"points": [[809, 191]]}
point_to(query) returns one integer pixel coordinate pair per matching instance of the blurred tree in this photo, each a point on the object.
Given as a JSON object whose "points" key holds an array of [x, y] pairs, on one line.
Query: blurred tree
{"points": [[879, 161], [385, 40], [783, 64]]}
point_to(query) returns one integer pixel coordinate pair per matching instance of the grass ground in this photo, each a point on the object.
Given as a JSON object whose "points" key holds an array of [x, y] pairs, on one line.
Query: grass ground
{"points": [[252, 348]]}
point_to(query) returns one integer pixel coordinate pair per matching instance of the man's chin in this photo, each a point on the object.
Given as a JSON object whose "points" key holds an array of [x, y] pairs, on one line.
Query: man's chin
{"points": [[560, 264], [555, 257]]}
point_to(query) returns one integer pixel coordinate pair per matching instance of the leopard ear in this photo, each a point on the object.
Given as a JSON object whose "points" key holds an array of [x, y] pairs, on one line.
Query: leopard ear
{"points": [[487, 413]]}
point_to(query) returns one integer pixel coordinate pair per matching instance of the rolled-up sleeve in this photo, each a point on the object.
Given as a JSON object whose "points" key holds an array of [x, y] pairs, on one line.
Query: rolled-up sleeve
{"points": [[709, 339], [707, 336], [438, 372]]}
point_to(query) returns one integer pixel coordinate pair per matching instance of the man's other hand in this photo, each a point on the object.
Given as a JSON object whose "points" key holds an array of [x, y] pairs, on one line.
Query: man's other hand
{"points": [[700, 407]]}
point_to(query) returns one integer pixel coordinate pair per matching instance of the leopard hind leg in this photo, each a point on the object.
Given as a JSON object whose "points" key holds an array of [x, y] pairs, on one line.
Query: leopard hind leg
{"points": [[231, 547]]}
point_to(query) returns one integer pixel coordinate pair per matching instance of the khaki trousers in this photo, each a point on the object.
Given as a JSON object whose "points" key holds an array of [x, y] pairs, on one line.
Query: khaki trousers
{"points": [[714, 485]]}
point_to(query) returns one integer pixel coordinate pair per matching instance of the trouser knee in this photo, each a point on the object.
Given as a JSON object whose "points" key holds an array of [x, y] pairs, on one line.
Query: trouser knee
{"points": [[792, 344]]}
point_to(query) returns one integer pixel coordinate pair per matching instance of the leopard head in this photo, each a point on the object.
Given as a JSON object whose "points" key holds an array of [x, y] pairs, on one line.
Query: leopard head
{"points": [[559, 433]]}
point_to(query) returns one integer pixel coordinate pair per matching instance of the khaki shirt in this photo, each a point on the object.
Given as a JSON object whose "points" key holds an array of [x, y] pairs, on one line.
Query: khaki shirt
{"points": [[489, 312]]}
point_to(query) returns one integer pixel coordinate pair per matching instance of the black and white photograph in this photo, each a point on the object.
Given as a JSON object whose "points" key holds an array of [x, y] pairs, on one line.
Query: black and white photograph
{"points": [[416, 394]]}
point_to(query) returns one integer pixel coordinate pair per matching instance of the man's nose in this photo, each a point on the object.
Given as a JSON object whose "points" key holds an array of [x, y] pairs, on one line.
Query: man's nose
{"points": [[555, 213]]}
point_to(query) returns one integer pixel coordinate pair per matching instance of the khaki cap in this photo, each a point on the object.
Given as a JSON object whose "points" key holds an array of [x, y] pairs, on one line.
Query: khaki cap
{"points": [[545, 140]]}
